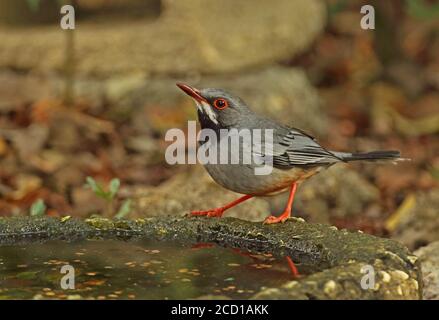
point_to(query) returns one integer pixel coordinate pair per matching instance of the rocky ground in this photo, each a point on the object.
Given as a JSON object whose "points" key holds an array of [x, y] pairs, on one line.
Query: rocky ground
{"points": [[337, 82], [335, 258], [429, 259]]}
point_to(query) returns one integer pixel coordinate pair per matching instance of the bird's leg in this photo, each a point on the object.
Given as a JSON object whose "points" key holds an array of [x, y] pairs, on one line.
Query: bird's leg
{"points": [[293, 267], [202, 245], [287, 212], [218, 212]]}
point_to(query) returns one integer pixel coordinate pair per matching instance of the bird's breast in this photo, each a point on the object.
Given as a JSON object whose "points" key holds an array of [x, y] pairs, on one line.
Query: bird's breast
{"points": [[242, 178]]}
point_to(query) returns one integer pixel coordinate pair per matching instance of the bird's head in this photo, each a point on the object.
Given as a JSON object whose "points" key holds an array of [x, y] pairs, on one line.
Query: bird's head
{"points": [[216, 107]]}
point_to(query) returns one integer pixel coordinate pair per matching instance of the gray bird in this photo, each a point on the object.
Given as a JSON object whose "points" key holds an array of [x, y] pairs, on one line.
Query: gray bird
{"points": [[296, 155]]}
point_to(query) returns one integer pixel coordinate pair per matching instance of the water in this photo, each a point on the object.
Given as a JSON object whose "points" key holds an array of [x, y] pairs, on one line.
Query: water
{"points": [[136, 270]]}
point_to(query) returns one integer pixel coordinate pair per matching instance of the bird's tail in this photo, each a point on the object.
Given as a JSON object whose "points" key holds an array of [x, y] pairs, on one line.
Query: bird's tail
{"points": [[391, 155]]}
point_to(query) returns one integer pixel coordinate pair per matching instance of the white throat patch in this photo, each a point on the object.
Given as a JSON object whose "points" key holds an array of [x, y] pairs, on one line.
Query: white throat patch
{"points": [[207, 109]]}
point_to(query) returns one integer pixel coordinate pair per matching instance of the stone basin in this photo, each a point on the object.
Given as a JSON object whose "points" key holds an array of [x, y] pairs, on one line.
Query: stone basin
{"points": [[226, 258], [136, 270]]}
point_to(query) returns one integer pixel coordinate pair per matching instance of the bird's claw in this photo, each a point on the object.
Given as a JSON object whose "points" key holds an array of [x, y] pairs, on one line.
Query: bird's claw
{"points": [[273, 219], [218, 212]]}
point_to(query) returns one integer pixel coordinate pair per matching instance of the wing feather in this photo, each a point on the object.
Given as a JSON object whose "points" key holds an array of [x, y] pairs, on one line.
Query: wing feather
{"points": [[297, 148]]}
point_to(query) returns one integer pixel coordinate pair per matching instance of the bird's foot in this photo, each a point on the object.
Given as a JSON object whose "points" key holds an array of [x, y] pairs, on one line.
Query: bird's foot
{"points": [[281, 219], [217, 212]]}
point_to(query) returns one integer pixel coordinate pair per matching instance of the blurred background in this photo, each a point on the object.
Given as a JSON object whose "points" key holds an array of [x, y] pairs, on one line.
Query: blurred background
{"points": [[96, 102]]}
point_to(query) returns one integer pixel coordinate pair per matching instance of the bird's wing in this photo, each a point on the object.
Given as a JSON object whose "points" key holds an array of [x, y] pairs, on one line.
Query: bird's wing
{"points": [[292, 147]]}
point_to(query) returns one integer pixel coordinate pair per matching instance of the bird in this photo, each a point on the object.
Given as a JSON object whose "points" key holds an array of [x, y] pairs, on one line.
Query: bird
{"points": [[296, 155]]}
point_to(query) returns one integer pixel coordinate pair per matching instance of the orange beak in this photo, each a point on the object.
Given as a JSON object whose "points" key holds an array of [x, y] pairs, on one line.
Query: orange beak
{"points": [[192, 92]]}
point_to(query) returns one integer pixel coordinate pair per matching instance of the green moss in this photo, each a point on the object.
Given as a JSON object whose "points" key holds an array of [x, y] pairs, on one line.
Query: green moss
{"points": [[100, 223]]}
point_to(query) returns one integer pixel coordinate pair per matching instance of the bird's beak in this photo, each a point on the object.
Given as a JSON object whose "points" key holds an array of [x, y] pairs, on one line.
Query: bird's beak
{"points": [[192, 92]]}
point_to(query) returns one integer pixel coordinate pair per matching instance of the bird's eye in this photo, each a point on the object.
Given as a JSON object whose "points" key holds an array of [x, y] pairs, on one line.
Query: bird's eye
{"points": [[220, 104]]}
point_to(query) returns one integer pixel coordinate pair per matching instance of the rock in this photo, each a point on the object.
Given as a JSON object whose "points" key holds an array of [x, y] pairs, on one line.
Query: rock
{"points": [[419, 225], [339, 190], [342, 283], [190, 190], [186, 37], [429, 259], [338, 258]]}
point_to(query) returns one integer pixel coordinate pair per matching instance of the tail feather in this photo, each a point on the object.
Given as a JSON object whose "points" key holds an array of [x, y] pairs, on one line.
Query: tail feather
{"points": [[392, 155]]}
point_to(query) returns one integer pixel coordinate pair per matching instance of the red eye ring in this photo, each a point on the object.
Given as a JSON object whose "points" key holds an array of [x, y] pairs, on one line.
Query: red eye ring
{"points": [[220, 104]]}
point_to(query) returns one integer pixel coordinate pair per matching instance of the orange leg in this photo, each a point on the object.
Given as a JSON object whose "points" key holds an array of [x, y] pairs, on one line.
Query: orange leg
{"points": [[202, 245], [218, 212], [292, 266], [287, 212]]}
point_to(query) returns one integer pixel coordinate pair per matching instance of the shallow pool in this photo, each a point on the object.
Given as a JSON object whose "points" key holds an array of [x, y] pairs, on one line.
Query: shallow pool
{"points": [[136, 270]]}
